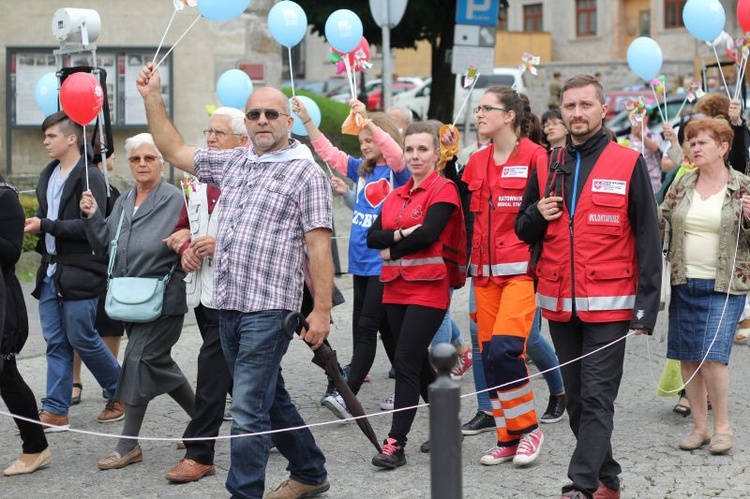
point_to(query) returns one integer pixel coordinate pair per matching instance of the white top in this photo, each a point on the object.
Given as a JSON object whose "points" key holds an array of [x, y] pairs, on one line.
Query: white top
{"points": [[702, 226]]}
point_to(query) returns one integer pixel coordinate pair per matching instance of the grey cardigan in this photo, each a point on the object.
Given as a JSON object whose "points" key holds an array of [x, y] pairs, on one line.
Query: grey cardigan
{"points": [[141, 251]]}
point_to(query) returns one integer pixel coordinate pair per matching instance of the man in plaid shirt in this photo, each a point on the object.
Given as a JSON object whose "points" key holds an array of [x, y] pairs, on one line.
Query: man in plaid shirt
{"points": [[275, 207]]}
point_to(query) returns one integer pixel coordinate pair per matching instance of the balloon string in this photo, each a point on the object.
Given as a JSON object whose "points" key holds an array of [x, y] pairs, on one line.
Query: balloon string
{"points": [[86, 157], [721, 72], [682, 106], [741, 77], [164, 36], [466, 99], [349, 76], [175, 43], [664, 91], [661, 114], [291, 70]]}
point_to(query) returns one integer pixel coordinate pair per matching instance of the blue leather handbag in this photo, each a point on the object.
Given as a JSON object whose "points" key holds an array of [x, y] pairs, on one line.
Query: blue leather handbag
{"points": [[133, 299]]}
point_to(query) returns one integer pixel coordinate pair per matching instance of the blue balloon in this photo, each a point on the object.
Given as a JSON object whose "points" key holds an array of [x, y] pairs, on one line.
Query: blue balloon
{"points": [[704, 19], [645, 57], [222, 10], [233, 88], [344, 30], [46, 94], [312, 109], [287, 23]]}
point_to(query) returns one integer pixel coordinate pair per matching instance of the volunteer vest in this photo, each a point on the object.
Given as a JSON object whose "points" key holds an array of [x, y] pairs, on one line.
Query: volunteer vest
{"points": [[443, 259], [496, 194], [599, 278], [199, 285]]}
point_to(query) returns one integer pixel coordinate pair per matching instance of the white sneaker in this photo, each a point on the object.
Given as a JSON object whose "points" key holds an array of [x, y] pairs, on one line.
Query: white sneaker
{"points": [[335, 403], [387, 403]]}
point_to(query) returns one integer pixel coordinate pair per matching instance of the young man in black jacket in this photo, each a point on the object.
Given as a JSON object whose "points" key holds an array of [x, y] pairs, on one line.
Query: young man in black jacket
{"points": [[70, 277], [598, 273]]}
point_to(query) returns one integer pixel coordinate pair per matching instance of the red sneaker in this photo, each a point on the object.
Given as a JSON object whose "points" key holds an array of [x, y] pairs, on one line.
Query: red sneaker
{"points": [[604, 492]]}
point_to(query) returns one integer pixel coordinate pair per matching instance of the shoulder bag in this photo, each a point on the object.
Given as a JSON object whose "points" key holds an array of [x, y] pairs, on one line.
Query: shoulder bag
{"points": [[133, 299]]}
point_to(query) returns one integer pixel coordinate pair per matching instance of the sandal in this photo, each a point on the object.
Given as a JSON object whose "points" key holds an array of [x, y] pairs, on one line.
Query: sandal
{"points": [[76, 399], [682, 408], [742, 336]]}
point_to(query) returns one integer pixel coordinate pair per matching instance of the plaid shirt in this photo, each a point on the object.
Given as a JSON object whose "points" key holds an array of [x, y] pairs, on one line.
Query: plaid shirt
{"points": [[267, 205]]}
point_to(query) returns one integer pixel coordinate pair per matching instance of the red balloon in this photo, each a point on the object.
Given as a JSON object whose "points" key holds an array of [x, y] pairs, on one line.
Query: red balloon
{"points": [[81, 97], [743, 14]]}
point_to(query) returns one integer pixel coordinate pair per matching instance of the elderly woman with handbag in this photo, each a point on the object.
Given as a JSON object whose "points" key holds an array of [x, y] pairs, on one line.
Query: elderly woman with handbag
{"points": [[708, 210], [140, 261]]}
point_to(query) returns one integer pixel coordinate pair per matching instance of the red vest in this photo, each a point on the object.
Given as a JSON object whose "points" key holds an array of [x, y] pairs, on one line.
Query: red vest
{"points": [[443, 259], [601, 274], [496, 194]]}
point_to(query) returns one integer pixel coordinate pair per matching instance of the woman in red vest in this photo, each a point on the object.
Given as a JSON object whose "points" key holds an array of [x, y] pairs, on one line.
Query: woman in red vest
{"points": [[421, 222], [497, 177]]}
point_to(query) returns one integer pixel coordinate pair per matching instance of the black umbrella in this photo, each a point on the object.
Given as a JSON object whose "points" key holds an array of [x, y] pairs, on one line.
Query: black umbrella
{"points": [[325, 357]]}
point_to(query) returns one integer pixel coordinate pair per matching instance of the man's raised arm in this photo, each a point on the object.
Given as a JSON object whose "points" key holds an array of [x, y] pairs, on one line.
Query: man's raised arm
{"points": [[166, 136]]}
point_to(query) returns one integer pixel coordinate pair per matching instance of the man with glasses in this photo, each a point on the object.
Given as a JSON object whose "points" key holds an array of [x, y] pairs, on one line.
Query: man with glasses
{"points": [[276, 207], [194, 238], [70, 277]]}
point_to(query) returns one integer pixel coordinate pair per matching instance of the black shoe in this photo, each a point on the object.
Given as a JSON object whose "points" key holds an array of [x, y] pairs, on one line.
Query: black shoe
{"points": [[392, 456], [425, 447], [392, 373], [480, 423], [77, 399], [555, 409]]}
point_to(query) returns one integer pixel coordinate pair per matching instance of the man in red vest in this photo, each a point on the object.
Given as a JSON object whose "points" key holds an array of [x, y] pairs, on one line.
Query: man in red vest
{"points": [[598, 272]]}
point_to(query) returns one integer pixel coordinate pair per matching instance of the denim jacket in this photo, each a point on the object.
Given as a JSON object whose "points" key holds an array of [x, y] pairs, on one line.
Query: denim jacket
{"points": [[674, 209]]}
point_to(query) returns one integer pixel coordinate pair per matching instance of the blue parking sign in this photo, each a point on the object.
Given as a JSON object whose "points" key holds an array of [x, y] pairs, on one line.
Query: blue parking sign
{"points": [[477, 12]]}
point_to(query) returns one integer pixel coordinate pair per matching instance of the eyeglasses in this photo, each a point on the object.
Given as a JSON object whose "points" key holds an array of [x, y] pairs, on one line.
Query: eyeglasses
{"points": [[486, 109], [271, 114], [218, 133], [148, 158], [551, 123]]}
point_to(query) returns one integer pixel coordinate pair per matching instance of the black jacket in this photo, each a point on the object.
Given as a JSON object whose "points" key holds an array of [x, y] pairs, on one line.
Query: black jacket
{"points": [[531, 225], [80, 274], [14, 323]]}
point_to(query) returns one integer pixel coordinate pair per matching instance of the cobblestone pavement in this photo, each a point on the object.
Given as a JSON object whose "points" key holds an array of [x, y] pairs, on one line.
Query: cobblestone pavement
{"points": [[644, 440]]}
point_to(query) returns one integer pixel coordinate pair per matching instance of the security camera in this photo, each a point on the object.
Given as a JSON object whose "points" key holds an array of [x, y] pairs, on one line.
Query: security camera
{"points": [[76, 26]]}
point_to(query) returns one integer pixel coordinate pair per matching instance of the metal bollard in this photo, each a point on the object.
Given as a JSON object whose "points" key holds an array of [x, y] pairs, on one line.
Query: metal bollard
{"points": [[445, 427]]}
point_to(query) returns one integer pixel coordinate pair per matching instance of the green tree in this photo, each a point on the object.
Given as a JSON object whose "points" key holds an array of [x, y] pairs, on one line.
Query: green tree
{"points": [[433, 21]]}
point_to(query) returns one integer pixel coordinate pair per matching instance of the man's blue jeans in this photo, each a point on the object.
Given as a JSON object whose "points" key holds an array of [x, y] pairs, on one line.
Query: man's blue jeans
{"points": [[68, 325], [254, 344]]}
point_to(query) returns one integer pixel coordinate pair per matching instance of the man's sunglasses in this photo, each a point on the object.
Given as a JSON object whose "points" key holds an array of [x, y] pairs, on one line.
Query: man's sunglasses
{"points": [[271, 114]]}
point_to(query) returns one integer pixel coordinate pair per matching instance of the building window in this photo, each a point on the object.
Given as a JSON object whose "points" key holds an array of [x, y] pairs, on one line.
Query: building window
{"points": [[532, 17], [502, 22], [673, 13], [585, 17]]}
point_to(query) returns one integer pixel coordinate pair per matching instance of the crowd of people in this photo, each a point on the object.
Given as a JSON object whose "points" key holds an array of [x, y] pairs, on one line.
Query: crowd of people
{"points": [[547, 217]]}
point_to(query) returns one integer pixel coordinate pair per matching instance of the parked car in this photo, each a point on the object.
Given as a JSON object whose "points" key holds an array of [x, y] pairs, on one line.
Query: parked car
{"points": [[375, 98], [343, 95], [320, 87], [418, 99], [620, 124]]}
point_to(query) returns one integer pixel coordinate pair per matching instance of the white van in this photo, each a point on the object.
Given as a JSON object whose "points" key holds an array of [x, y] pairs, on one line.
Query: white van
{"points": [[418, 99]]}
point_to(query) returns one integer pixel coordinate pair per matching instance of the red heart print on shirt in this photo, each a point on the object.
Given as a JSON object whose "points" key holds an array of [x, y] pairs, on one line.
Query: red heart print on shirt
{"points": [[376, 192]]}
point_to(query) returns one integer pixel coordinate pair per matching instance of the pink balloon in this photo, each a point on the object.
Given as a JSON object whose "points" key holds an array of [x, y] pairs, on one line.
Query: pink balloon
{"points": [[81, 97]]}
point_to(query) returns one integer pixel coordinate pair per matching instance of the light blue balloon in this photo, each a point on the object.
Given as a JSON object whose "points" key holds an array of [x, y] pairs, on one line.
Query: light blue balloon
{"points": [[344, 30], [287, 23], [46, 94], [645, 57], [233, 88], [312, 109], [704, 19], [222, 10]]}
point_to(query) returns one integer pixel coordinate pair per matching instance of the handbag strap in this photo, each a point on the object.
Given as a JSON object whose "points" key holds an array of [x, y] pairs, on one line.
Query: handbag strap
{"points": [[667, 242], [113, 247], [113, 254]]}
